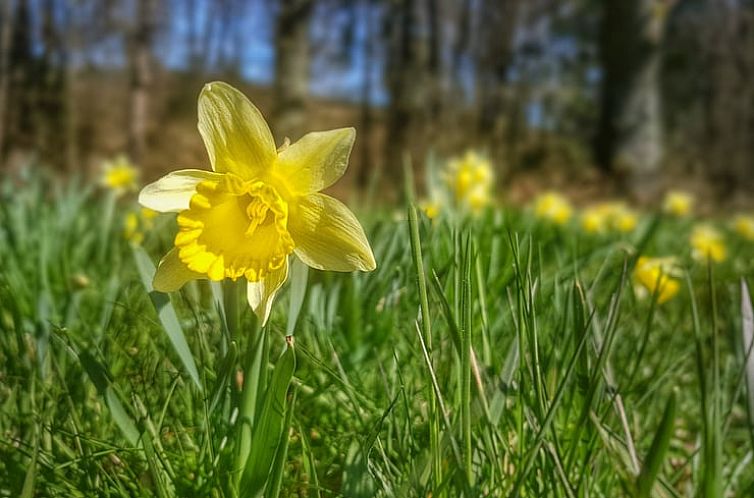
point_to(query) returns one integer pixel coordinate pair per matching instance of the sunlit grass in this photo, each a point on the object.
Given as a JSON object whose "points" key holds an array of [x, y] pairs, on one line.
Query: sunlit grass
{"points": [[573, 385]]}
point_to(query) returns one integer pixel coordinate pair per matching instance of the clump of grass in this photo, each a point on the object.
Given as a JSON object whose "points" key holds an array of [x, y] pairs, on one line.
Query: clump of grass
{"points": [[495, 356]]}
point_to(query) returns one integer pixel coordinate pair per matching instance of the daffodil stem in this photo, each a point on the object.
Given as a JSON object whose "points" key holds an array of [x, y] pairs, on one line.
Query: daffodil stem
{"points": [[253, 363]]}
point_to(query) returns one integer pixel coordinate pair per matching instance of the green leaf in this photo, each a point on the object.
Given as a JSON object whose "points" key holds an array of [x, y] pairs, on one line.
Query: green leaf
{"points": [[268, 427], [166, 314], [31, 475], [276, 474], [299, 274], [656, 454], [98, 375], [747, 332]]}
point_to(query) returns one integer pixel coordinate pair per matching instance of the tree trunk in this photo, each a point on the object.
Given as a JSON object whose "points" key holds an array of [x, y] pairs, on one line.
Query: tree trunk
{"points": [[291, 67], [140, 55], [630, 136], [405, 82], [5, 53], [367, 165], [494, 53]]}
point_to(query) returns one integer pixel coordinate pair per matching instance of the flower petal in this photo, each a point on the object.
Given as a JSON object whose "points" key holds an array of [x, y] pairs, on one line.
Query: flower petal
{"points": [[172, 273], [317, 160], [172, 192], [328, 236], [235, 133], [261, 294]]}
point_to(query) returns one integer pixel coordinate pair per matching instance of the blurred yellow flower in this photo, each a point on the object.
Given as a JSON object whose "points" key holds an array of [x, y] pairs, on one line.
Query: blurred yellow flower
{"points": [[594, 219], [678, 203], [657, 276], [135, 224], [608, 215], [707, 242], [120, 175], [258, 205], [623, 219], [430, 208], [744, 226], [553, 207], [470, 178], [131, 229]]}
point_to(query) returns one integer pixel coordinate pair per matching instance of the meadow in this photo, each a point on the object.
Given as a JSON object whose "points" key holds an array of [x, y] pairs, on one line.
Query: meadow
{"points": [[494, 353]]}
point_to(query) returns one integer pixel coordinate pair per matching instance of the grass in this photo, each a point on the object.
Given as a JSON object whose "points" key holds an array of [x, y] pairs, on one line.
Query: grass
{"points": [[501, 356]]}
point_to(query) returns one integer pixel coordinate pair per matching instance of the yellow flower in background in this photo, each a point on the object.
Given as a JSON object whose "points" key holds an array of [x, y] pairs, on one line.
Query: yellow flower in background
{"points": [[707, 242], [657, 276], [120, 175], [135, 224], [594, 219], [678, 203], [430, 208], [744, 226], [258, 206], [553, 207], [609, 216], [470, 178], [623, 219]]}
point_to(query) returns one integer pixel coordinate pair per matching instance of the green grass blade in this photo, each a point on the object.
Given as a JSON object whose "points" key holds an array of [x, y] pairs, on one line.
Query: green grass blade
{"points": [[166, 313], [747, 332], [98, 375], [268, 427], [656, 455], [281, 456], [299, 275]]}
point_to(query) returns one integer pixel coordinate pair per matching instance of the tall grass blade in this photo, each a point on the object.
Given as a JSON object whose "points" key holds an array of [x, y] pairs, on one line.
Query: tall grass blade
{"points": [[656, 455], [98, 375], [299, 275], [747, 332], [268, 427], [166, 313]]}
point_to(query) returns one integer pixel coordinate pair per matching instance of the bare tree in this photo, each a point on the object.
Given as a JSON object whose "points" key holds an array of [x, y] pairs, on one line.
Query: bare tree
{"points": [[367, 163], [141, 80], [6, 29], [291, 66], [494, 53], [630, 136], [406, 69]]}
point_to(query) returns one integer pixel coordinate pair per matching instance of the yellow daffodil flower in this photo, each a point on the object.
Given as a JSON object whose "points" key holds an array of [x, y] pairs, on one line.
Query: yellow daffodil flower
{"points": [[609, 215], [744, 226], [623, 219], [553, 207], [470, 179], [656, 276], [430, 208], [258, 206], [594, 220], [120, 175], [136, 224], [707, 242], [678, 203]]}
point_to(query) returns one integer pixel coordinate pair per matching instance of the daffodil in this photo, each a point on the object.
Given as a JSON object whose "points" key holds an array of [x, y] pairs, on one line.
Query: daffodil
{"points": [[258, 205], [707, 243], [136, 223], [470, 179], [594, 220], [553, 207], [622, 218], [119, 175], [744, 226], [678, 203], [657, 276], [430, 208], [609, 215]]}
